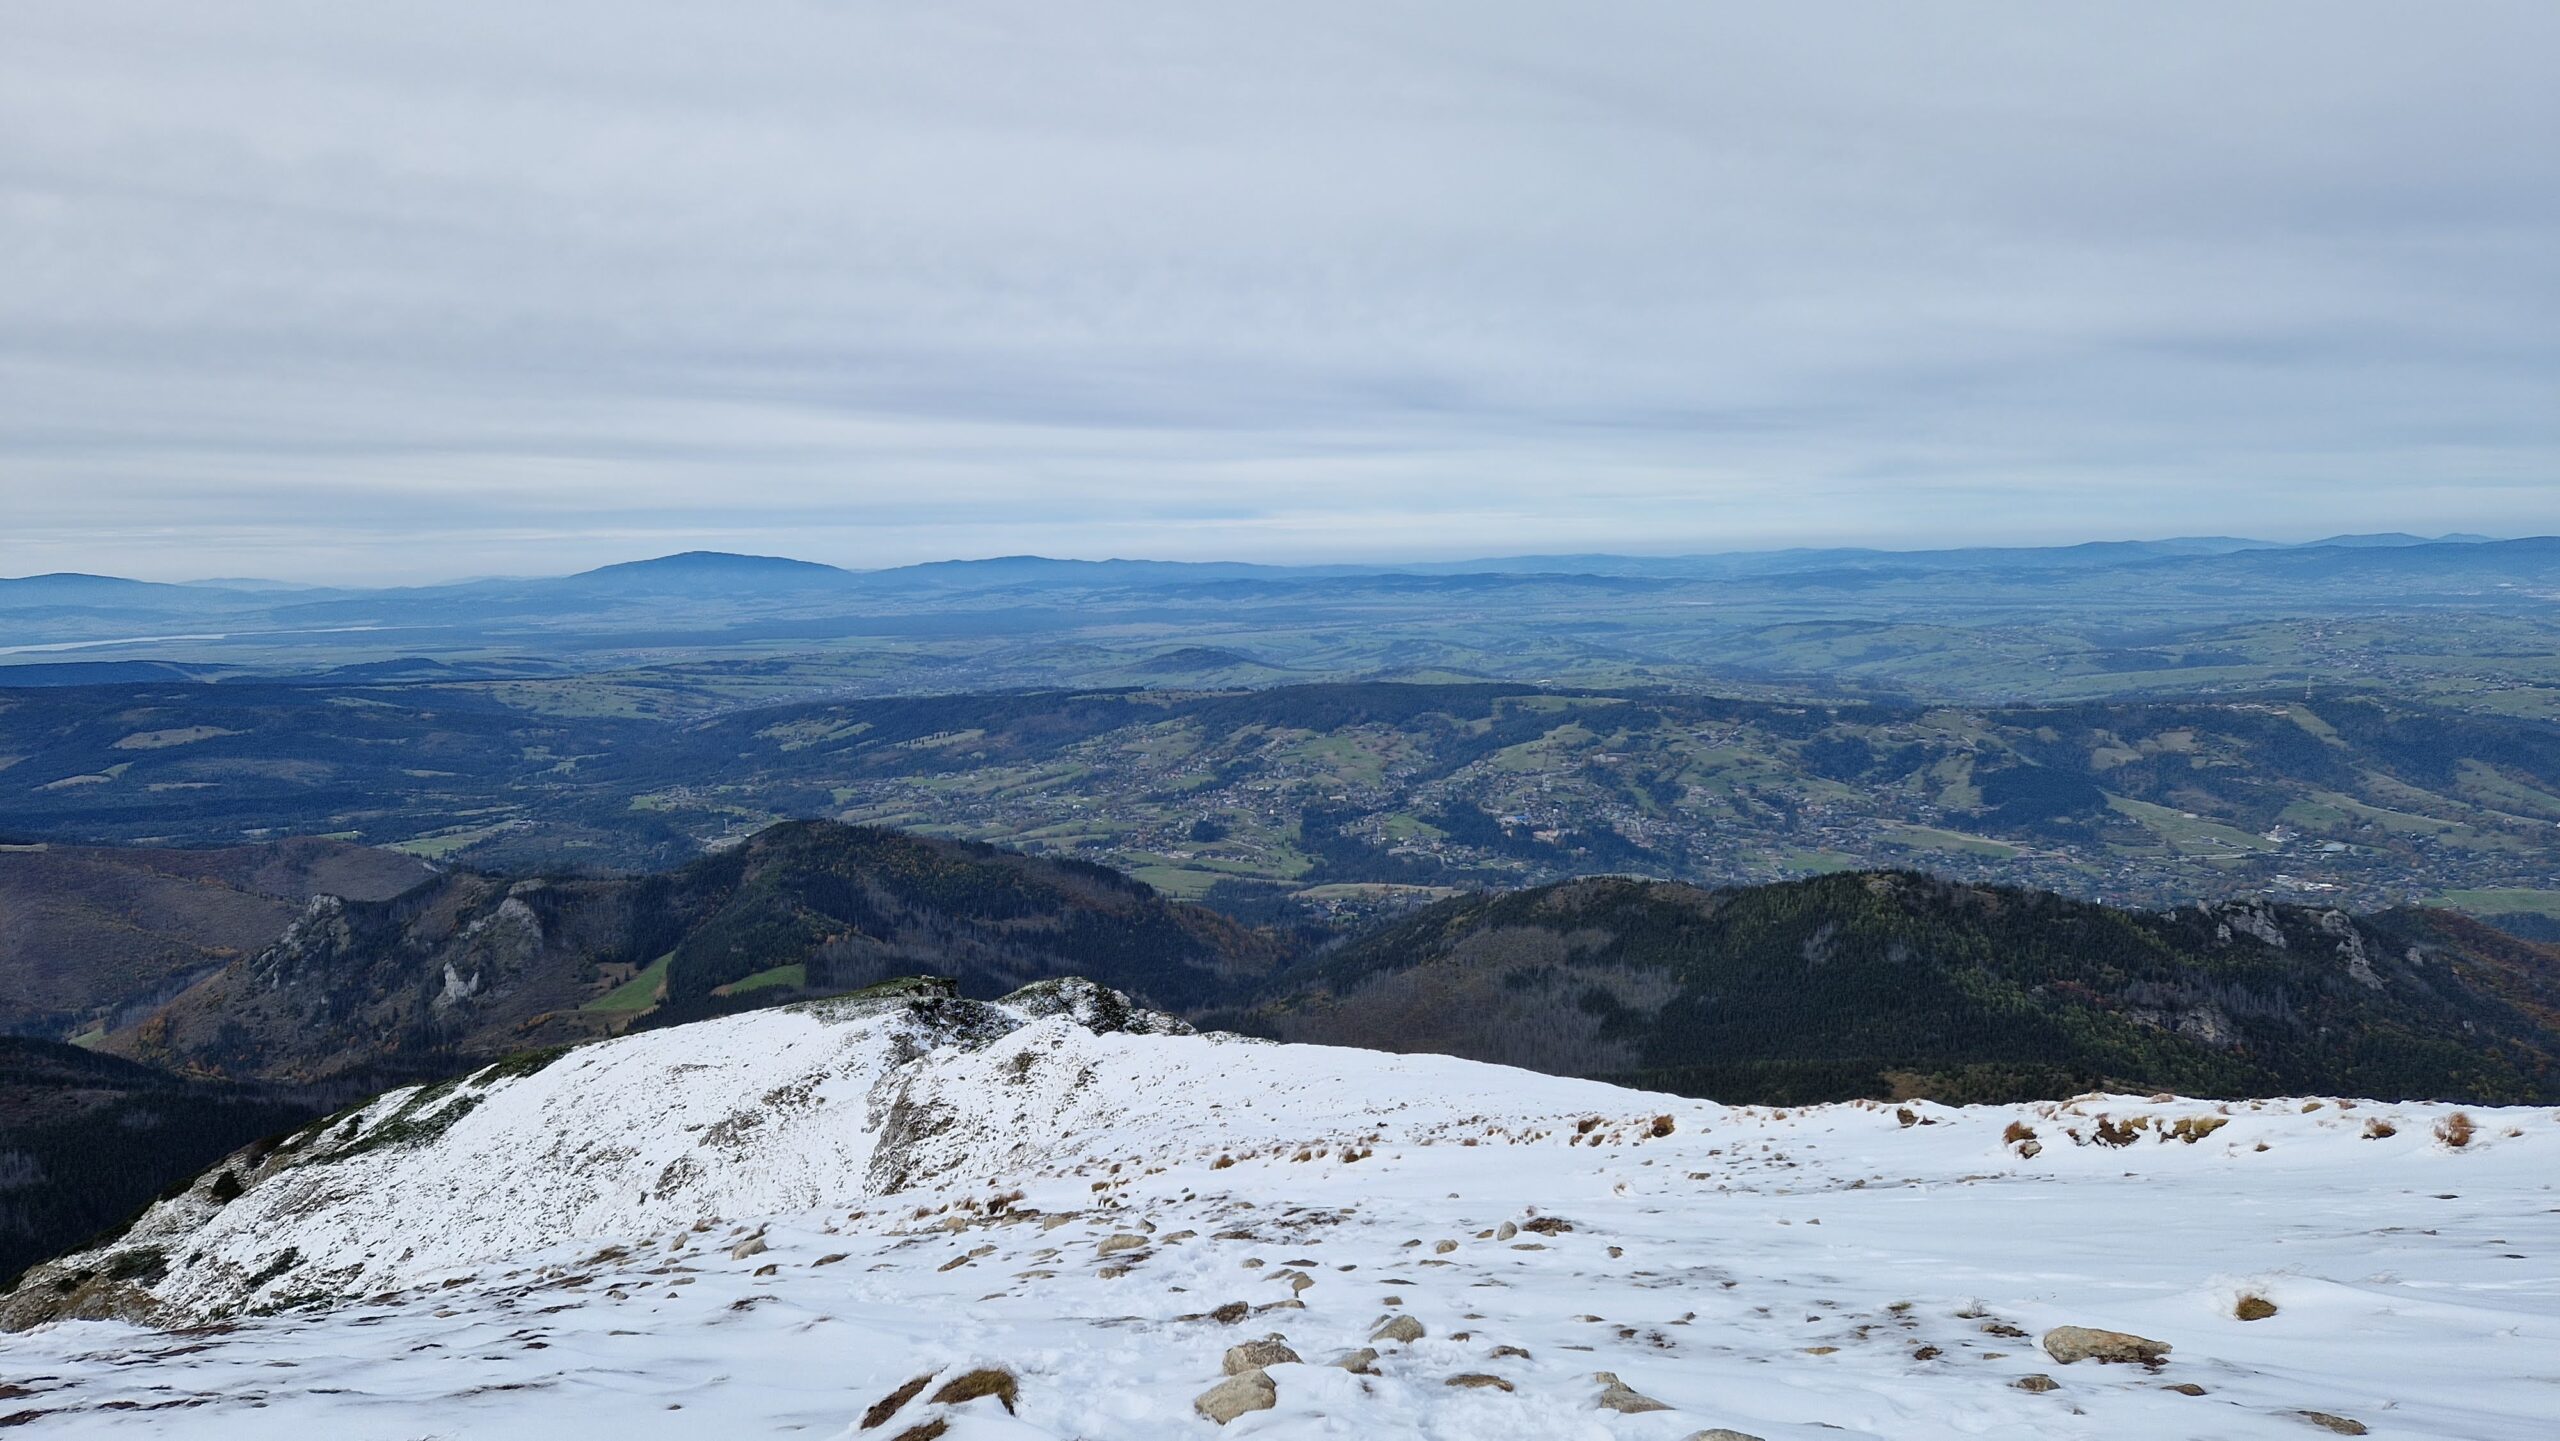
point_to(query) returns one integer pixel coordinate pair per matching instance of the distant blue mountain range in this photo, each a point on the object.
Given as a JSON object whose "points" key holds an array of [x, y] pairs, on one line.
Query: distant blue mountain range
{"points": [[711, 572]]}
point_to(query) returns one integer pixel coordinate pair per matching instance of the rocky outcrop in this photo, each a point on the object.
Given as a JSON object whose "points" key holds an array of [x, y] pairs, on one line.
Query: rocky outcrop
{"points": [[474, 966]]}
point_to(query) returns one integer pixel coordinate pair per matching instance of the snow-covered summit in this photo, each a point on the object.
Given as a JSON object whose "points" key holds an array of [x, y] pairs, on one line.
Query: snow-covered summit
{"points": [[768, 1224]]}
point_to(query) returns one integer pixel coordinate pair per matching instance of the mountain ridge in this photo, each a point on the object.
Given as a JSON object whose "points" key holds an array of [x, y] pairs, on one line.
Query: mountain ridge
{"points": [[1014, 570], [470, 967], [1053, 1215], [1889, 984]]}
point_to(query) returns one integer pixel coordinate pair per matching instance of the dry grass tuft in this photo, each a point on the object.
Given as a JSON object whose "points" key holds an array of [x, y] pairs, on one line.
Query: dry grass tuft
{"points": [[2254, 1308], [2378, 1129], [2109, 1133], [891, 1404], [985, 1381], [2456, 1130]]}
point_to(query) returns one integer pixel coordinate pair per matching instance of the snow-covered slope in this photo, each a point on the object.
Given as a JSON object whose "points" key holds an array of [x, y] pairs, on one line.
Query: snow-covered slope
{"points": [[765, 1225]]}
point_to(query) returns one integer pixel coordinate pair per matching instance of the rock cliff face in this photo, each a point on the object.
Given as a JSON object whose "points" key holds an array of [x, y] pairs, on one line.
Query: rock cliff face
{"points": [[471, 967], [100, 935]]}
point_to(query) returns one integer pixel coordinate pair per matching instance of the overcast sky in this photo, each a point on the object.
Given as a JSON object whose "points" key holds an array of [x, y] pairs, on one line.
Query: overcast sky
{"points": [[415, 290]]}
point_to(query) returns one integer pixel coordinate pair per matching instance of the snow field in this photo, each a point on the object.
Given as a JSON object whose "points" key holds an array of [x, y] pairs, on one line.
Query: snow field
{"points": [[1831, 1272]]}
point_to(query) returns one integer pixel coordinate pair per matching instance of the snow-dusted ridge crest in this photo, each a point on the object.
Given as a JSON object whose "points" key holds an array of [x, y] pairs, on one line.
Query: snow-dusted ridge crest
{"points": [[773, 1223], [808, 1105]]}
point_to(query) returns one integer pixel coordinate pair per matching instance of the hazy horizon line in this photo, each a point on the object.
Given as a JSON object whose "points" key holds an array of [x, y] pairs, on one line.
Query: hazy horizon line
{"points": [[1346, 562]]}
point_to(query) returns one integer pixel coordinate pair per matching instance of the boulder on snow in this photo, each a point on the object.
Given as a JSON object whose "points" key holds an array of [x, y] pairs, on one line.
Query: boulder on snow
{"points": [[1719, 1433], [1399, 1328], [1363, 1362], [1124, 1241], [1236, 1395], [2067, 1344], [2339, 1424], [1617, 1395], [1478, 1381], [752, 1246], [1254, 1355]]}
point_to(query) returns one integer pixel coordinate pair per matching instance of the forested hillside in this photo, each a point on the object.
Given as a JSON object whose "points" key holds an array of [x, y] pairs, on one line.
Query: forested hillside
{"points": [[474, 965], [93, 936], [87, 1140], [1897, 984]]}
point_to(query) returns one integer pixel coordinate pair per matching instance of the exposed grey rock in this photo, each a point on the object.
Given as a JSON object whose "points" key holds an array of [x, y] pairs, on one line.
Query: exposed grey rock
{"points": [[1363, 1362], [1124, 1241], [1096, 1007], [752, 1246], [2037, 1382]]}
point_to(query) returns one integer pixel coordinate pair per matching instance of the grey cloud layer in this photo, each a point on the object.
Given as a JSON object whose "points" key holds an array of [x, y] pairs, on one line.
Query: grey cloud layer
{"points": [[306, 288]]}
